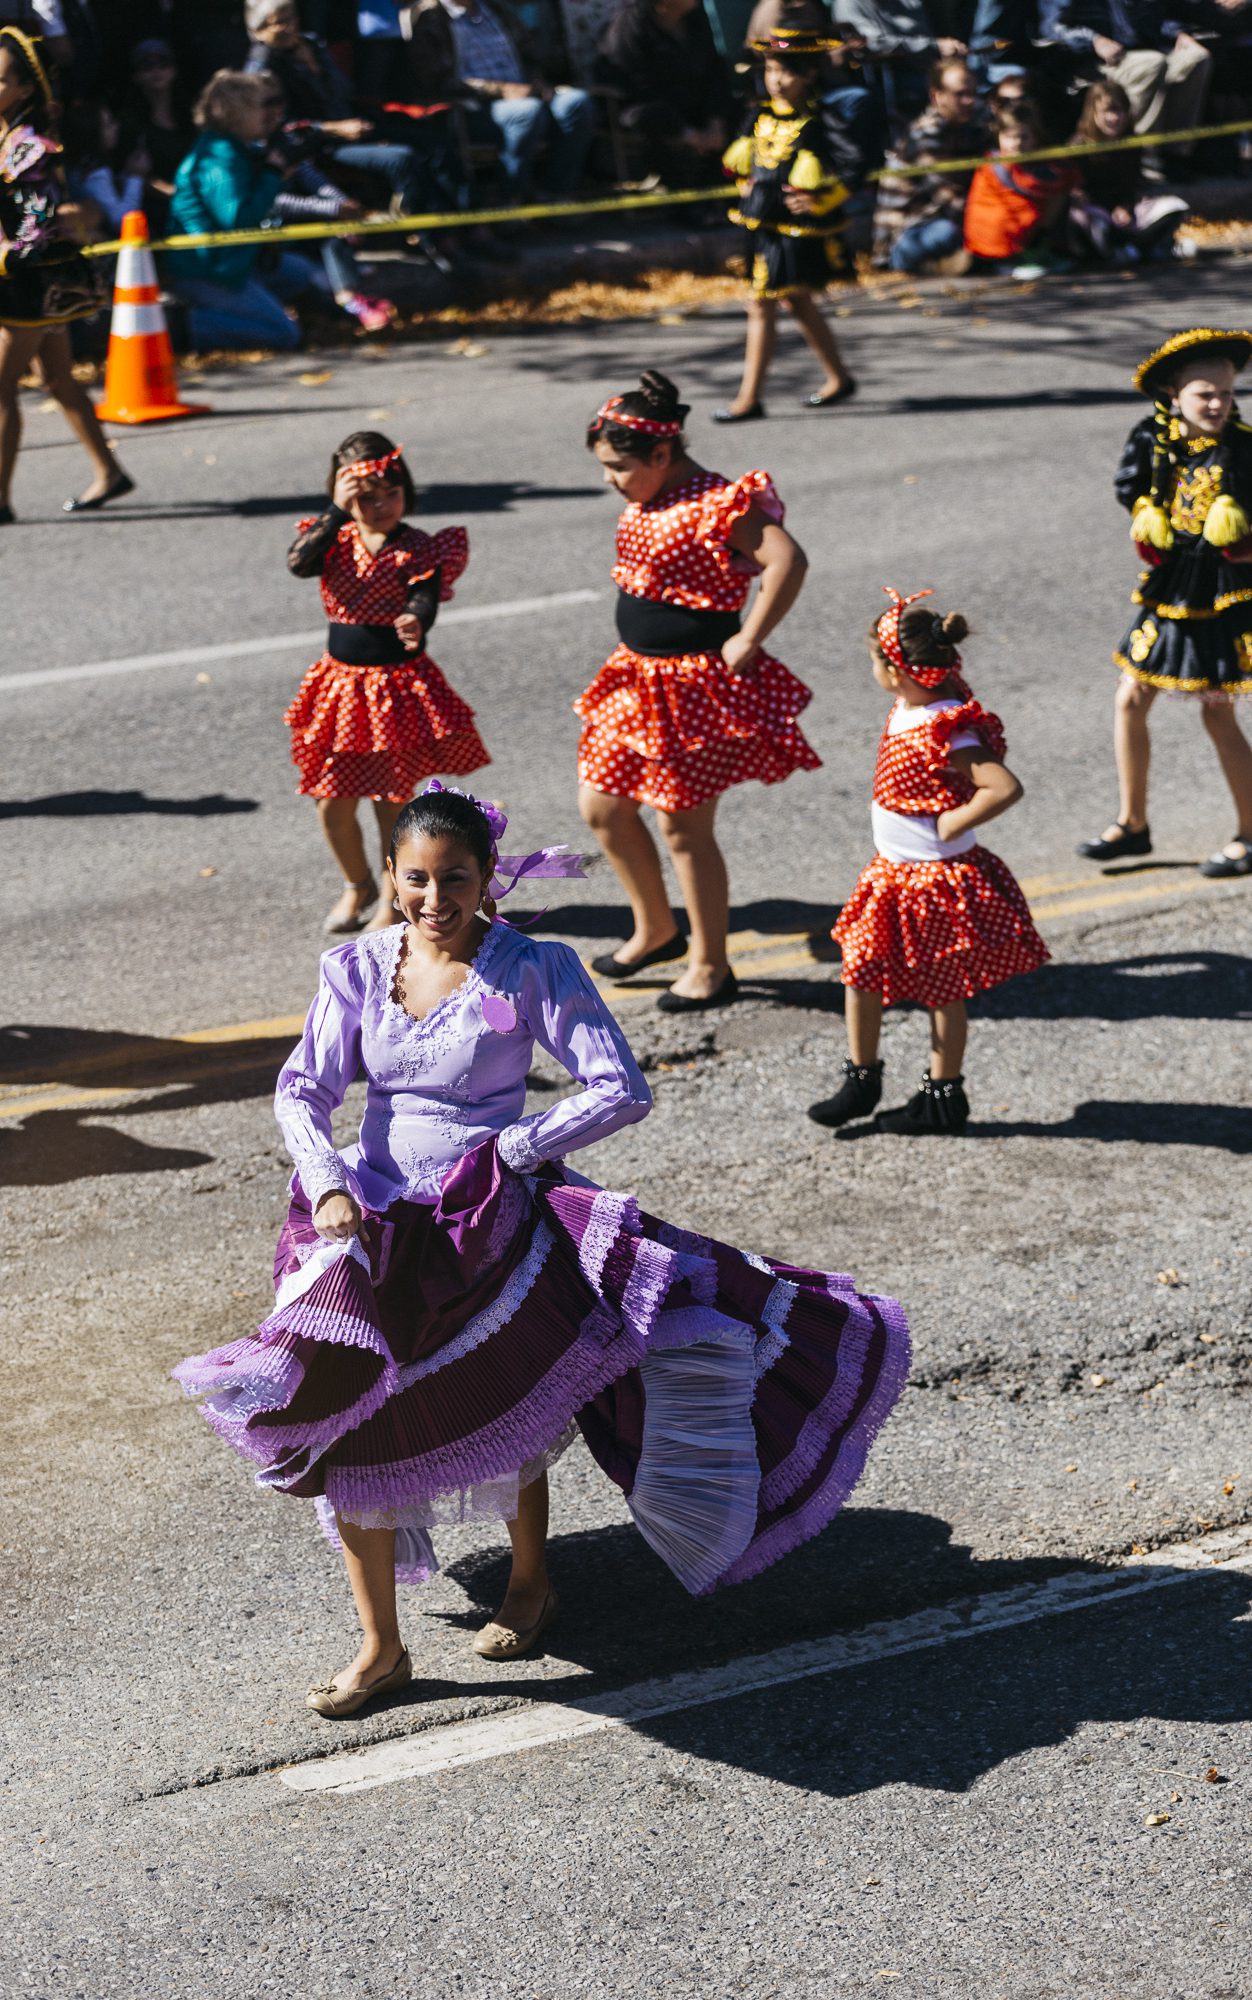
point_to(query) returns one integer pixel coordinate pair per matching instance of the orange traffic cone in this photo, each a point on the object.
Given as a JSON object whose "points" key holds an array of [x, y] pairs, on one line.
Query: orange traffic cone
{"points": [[140, 386]]}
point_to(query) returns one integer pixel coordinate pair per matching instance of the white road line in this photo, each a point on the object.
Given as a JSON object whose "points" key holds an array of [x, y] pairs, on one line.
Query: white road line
{"points": [[280, 642], [512, 1730]]}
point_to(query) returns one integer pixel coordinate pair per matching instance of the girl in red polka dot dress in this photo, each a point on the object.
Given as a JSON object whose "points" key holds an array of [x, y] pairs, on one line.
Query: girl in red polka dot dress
{"points": [[934, 918], [375, 716], [689, 704]]}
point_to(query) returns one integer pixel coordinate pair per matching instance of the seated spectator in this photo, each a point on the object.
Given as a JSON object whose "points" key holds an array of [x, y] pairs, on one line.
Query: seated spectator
{"points": [[1112, 214], [212, 37], [479, 53], [155, 122], [919, 222], [1139, 44], [1001, 37], [660, 57], [229, 181], [900, 36], [306, 196], [317, 95], [104, 190], [1015, 214]]}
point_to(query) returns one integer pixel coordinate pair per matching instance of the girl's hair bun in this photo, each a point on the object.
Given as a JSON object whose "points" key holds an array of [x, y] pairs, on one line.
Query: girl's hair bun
{"points": [[660, 396], [955, 627]]}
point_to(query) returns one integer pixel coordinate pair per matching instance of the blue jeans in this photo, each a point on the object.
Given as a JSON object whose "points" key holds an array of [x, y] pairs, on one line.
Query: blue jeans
{"points": [[251, 314], [418, 182], [523, 124], [926, 243]]}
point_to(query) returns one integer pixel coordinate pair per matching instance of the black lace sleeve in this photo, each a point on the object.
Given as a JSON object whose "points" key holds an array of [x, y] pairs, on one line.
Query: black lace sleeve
{"points": [[307, 554], [422, 600]]}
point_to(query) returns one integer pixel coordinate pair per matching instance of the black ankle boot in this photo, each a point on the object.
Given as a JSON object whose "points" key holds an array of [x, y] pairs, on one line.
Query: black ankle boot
{"points": [[939, 1106], [855, 1098]]}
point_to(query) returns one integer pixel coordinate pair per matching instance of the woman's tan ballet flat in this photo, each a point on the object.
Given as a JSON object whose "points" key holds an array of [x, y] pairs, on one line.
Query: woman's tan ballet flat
{"points": [[338, 1703], [499, 1642]]}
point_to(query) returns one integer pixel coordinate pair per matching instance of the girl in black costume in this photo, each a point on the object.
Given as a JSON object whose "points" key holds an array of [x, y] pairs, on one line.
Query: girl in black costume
{"points": [[790, 207], [1186, 478]]}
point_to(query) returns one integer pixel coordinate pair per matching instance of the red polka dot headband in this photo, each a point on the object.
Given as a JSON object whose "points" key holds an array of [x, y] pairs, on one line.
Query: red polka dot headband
{"points": [[376, 468], [888, 633], [612, 412]]}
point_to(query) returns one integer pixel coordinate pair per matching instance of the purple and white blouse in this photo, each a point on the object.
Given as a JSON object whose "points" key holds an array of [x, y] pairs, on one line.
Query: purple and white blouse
{"points": [[439, 1086]]}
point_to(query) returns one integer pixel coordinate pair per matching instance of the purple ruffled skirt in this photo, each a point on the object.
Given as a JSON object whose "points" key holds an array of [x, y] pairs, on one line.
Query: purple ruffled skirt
{"points": [[424, 1371]]}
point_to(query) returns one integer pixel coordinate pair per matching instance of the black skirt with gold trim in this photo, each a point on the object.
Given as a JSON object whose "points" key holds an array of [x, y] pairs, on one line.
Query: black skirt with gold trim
{"points": [[1192, 628]]}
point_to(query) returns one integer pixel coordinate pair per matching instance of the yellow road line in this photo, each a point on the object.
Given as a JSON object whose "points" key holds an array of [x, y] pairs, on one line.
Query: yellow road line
{"points": [[1152, 892], [63, 1100], [245, 1031]]}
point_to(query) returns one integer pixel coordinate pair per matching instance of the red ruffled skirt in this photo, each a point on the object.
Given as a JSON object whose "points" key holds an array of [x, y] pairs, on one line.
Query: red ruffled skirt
{"points": [[937, 931], [378, 732], [673, 732]]}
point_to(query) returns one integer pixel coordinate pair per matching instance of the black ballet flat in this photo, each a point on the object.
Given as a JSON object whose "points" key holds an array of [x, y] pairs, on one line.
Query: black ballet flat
{"points": [[115, 490], [609, 967], [1222, 864], [1114, 850], [678, 1003], [7, 517], [819, 402], [751, 416]]}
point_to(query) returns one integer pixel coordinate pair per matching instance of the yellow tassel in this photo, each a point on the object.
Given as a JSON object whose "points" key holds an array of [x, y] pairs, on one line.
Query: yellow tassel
{"points": [[1226, 522], [1150, 523]]}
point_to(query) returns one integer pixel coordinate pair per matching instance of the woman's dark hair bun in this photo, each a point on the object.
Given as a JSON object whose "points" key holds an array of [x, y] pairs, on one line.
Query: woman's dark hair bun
{"points": [[955, 627], [660, 396]]}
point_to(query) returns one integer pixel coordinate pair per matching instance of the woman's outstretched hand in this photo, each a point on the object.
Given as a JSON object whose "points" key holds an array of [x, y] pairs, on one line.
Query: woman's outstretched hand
{"points": [[337, 1217]]}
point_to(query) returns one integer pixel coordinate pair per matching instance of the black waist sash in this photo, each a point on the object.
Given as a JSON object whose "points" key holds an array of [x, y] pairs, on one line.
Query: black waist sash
{"points": [[662, 631], [367, 646]]}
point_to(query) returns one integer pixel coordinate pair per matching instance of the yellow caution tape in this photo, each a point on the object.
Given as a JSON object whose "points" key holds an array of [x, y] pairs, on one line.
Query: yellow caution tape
{"points": [[316, 232]]}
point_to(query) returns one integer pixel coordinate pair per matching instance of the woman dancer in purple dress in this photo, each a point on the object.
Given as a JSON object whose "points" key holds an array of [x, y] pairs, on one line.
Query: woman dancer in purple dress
{"points": [[453, 1303]]}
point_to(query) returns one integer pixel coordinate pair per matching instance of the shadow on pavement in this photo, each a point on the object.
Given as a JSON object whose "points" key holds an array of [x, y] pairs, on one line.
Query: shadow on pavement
{"points": [[612, 920], [1226, 1126], [941, 1716], [104, 805]]}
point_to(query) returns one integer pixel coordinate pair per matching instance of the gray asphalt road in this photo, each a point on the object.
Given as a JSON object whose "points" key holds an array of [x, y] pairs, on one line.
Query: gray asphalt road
{"points": [[967, 1818]]}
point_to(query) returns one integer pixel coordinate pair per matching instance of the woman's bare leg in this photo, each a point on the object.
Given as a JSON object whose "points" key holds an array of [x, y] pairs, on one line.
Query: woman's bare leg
{"points": [[701, 870], [56, 365], [370, 1557], [625, 839], [813, 324], [758, 353], [1234, 753], [528, 1579], [18, 348], [1132, 746], [862, 1016], [949, 1029]]}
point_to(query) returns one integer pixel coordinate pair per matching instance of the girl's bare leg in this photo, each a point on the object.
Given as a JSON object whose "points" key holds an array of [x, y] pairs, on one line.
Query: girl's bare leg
{"points": [[56, 365], [370, 1558], [343, 834], [625, 839], [949, 1029], [1235, 756], [862, 1014], [528, 1579], [1133, 749], [758, 353], [18, 348], [701, 870], [813, 324], [386, 812]]}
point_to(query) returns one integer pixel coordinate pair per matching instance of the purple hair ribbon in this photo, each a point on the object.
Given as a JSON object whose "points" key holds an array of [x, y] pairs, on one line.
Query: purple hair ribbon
{"points": [[561, 861]]}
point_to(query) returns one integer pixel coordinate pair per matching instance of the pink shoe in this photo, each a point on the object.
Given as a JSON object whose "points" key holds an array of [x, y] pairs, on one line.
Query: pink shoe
{"points": [[374, 314]]}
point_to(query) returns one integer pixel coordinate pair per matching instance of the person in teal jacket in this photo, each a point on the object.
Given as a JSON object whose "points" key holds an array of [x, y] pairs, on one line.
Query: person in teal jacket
{"points": [[229, 181]]}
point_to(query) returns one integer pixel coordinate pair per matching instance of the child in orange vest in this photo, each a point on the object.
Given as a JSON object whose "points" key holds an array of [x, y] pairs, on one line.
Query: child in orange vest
{"points": [[1013, 210]]}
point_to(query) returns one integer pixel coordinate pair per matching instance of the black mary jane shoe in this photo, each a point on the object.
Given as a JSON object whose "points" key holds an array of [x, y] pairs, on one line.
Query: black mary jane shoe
{"points": [[117, 489], [751, 416], [609, 967], [1117, 850], [1222, 864], [7, 517], [940, 1106], [818, 401], [678, 1003], [856, 1096]]}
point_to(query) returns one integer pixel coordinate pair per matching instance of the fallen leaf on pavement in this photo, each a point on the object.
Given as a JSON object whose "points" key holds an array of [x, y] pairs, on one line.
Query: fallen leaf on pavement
{"points": [[1156, 1819], [1099, 1381], [1175, 1798], [379, 416], [1132, 1485], [1071, 1468], [315, 378], [208, 871], [1228, 1487], [670, 319], [1213, 1776], [1138, 1549], [1210, 1339], [1168, 1277], [203, 679]]}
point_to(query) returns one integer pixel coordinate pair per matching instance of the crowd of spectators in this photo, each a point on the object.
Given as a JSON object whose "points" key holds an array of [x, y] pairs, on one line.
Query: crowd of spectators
{"points": [[219, 114]]}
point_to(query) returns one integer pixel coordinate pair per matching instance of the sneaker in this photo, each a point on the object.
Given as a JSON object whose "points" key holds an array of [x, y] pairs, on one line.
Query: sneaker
{"points": [[374, 314]]}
